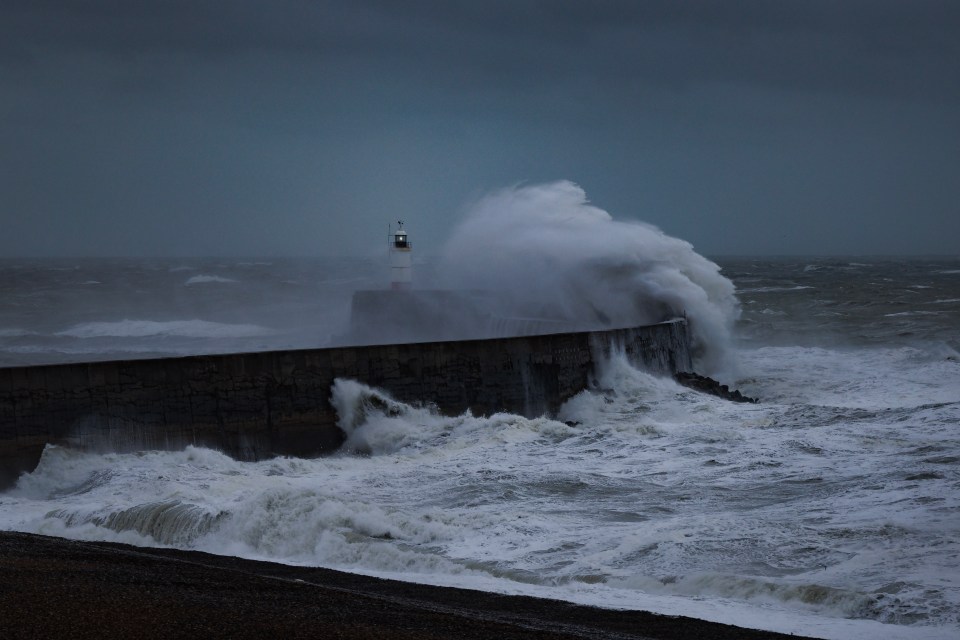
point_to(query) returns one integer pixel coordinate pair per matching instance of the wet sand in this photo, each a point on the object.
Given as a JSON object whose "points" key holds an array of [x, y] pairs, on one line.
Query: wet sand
{"points": [[56, 588]]}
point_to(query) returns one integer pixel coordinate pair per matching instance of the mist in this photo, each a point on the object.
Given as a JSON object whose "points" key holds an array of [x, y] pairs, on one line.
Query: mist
{"points": [[548, 253]]}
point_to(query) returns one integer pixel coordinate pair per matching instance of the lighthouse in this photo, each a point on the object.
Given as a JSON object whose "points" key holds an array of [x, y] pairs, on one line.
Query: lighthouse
{"points": [[401, 271]]}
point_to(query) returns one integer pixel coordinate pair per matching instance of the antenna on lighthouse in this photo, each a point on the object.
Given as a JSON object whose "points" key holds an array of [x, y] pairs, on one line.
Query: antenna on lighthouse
{"points": [[401, 269]]}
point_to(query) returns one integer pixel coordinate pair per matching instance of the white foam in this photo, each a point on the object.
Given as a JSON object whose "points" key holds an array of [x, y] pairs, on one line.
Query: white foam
{"points": [[876, 378], [177, 328], [204, 279], [376, 423], [16, 333], [798, 287], [907, 314]]}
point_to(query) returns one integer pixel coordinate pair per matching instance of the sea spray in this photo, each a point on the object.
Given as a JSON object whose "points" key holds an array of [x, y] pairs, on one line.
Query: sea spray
{"points": [[551, 254]]}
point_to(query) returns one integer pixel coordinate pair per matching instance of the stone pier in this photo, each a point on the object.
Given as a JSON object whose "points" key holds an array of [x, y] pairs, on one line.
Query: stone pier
{"points": [[258, 405]]}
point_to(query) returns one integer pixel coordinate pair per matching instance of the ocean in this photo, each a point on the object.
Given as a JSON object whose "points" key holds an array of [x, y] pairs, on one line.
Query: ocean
{"points": [[831, 508]]}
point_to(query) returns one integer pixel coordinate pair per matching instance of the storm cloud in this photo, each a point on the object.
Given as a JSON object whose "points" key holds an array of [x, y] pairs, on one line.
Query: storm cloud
{"points": [[302, 128]]}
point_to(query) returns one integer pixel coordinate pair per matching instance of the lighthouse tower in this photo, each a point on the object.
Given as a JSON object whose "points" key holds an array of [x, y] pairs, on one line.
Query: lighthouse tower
{"points": [[401, 271]]}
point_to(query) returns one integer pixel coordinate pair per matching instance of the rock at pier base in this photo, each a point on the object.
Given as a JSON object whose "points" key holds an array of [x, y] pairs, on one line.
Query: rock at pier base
{"points": [[709, 385]]}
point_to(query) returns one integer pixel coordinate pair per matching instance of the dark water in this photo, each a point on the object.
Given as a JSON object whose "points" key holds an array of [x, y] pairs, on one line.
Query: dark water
{"points": [[856, 301], [93, 309]]}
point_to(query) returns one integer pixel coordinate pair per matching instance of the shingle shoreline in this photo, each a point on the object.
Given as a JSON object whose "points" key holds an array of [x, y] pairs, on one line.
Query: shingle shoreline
{"points": [[57, 588]]}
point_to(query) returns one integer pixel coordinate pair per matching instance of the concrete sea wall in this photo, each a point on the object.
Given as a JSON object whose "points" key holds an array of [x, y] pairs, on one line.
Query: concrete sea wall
{"points": [[258, 405]]}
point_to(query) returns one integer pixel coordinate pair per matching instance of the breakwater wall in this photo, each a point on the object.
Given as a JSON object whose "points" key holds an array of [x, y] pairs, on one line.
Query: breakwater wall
{"points": [[258, 405]]}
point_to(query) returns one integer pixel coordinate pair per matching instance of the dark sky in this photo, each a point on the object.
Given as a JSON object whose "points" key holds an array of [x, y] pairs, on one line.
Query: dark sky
{"points": [[292, 127]]}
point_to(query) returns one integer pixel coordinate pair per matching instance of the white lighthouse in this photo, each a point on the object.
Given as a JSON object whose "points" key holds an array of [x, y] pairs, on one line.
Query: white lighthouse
{"points": [[401, 270]]}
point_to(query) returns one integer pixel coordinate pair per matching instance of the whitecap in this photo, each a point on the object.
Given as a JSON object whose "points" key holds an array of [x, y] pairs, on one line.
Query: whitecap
{"points": [[177, 328], [904, 314], [798, 287], [16, 333], [204, 279]]}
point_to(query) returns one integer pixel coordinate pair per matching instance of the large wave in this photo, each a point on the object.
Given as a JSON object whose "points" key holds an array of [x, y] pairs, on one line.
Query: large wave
{"points": [[551, 254]]}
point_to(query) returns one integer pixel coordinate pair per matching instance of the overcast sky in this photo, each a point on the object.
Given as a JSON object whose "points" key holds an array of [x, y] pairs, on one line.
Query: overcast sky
{"points": [[287, 127]]}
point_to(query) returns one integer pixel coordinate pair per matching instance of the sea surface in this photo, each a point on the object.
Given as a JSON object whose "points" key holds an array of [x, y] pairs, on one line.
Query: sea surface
{"points": [[831, 508]]}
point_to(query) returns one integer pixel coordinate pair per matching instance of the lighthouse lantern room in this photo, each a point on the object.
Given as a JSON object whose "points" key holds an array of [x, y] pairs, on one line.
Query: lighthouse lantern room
{"points": [[401, 270]]}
